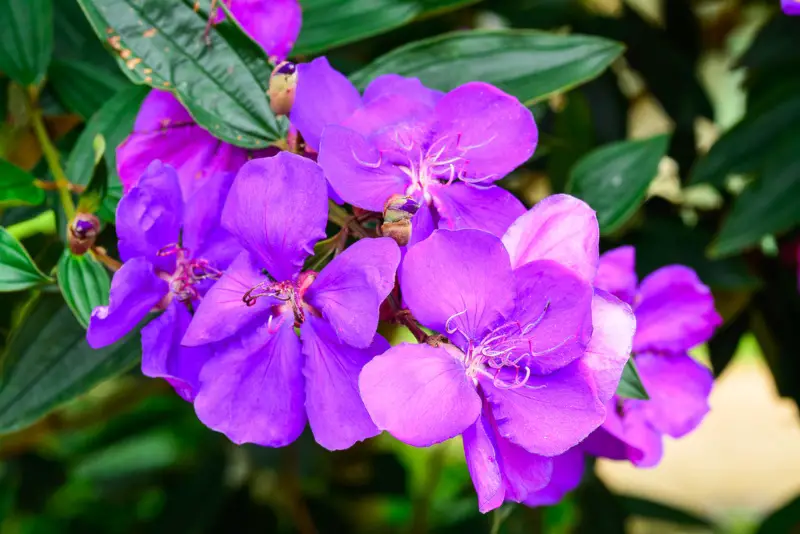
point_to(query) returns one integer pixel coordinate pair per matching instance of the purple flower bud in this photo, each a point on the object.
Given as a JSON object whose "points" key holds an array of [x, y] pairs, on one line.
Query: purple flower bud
{"points": [[282, 84], [82, 232]]}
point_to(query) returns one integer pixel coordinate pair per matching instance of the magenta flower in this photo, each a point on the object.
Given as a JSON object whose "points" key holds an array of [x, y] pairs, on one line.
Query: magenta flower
{"points": [[443, 150], [523, 376], [171, 251], [674, 312], [273, 24], [264, 381]]}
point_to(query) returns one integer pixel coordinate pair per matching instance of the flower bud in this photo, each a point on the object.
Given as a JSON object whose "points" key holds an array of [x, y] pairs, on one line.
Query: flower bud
{"points": [[397, 213], [282, 85], [83, 231]]}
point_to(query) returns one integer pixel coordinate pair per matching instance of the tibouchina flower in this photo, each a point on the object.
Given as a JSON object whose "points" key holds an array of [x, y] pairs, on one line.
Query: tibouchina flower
{"points": [[521, 376], [674, 312], [172, 249], [443, 150], [265, 382], [164, 130]]}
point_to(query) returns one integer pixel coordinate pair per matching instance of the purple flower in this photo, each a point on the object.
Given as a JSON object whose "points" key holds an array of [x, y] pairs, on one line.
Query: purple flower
{"points": [[273, 24], [264, 381], [523, 375], [443, 150], [674, 312], [171, 250]]}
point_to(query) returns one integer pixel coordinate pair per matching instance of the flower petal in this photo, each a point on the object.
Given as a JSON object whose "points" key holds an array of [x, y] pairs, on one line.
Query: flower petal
{"points": [[351, 288], [678, 387], [610, 347], [164, 357], [626, 438], [559, 305], [336, 412], [324, 96], [357, 171], [616, 273], [550, 414], [278, 209], [253, 389], [419, 394], [422, 225], [394, 84], [222, 311], [461, 206], [202, 233], [559, 228], [274, 25], [391, 122], [675, 311], [480, 451], [463, 277], [135, 289], [567, 474], [495, 133]]}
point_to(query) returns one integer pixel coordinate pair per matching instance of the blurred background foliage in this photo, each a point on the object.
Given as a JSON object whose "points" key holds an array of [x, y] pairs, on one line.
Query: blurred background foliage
{"points": [[677, 120]]}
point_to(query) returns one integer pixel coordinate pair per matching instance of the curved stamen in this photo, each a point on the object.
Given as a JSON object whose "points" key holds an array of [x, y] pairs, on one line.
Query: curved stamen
{"points": [[447, 327], [367, 164]]}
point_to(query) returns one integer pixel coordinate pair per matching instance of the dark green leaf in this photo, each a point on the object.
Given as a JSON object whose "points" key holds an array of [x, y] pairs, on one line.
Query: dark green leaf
{"points": [[26, 40], [84, 283], [223, 84], [614, 178], [528, 64], [656, 510], [785, 520], [17, 187], [47, 362], [573, 136], [17, 269], [328, 24], [82, 87], [630, 385], [766, 206], [722, 347]]}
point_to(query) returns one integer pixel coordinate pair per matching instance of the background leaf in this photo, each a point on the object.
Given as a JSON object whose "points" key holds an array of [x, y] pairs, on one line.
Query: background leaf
{"points": [[528, 64], [17, 187], [26, 40], [630, 385], [84, 284], [17, 269], [82, 87]]}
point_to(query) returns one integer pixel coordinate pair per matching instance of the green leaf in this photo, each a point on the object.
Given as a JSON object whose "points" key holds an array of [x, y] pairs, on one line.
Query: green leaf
{"points": [[26, 40], [656, 510], [630, 385], [223, 85], [328, 24], [84, 283], [528, 64], [768, 205], [17, 187], [17, 269], [614, 178], [82, 87], [48, 362]]}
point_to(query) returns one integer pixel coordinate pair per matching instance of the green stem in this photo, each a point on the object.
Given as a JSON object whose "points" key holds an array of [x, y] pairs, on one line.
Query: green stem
{"points": [[44, 223], [422, 504], [53, 159], [338, 215]]}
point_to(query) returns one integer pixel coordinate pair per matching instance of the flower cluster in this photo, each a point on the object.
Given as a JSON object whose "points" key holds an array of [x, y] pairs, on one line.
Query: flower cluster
{"points": [[523, 330]]}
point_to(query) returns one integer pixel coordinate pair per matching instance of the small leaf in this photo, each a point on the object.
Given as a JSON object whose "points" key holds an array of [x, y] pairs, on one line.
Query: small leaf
{"points": [[17, 269], [528, 64], [81, 87], [614, 178], [17, 187], [223, 84], [92, 198], [26, 40], [48, 362], [323, 253], [630, 385], [84, 283]]}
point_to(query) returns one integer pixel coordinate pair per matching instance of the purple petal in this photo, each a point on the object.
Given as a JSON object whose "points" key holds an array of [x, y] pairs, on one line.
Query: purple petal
{"points": [[253, 389], [201, 224], [559, 228], [495, 133], [461, 206], [149, 215], [336, 412], [357, 171], [422, 225], [394, 84], [675, 311], [550, 414], [351, 288], [556, 307], [135, 290], [567, 473], [462, 277], [678, 387], [273, 24], [391, 121], [629, 437], [164, 357], [419, 394], [222, 311], [278, 209], [324, 96], [616, 273], [610, 347]]}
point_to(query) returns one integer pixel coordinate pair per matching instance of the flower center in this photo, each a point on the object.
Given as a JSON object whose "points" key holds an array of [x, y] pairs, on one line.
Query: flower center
{"points": [[187, 274], [289, 293]]}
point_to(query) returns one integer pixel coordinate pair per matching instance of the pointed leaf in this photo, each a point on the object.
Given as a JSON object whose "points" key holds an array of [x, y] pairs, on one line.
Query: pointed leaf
{"points": [[81, 87], [630, 385], [17, 269], [26, 39], [17, 187], [84, 283]]}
